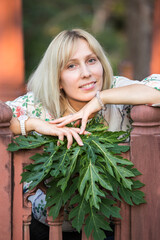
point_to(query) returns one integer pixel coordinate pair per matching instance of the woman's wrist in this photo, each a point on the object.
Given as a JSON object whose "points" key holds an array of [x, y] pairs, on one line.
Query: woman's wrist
{"points": [[100, 101], [30, 124]]}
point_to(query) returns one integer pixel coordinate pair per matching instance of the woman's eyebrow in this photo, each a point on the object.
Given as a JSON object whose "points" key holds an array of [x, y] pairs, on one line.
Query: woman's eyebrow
{"points": [[87, 56]]}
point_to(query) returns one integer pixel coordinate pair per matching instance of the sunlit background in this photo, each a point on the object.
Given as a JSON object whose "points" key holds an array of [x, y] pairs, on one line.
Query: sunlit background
{"points": [[128, 30]]}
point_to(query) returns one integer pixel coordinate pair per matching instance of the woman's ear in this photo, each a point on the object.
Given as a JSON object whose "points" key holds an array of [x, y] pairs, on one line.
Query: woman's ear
{"points": [[60, 86]]}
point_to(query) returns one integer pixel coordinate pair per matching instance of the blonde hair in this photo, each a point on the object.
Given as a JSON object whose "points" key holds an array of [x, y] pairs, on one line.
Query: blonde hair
{"points": [[45, 81]]}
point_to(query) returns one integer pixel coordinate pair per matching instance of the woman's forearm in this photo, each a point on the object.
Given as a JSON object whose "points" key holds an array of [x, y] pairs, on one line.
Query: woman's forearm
{"points": [[133, 94], [45, 128], [130, 95]]}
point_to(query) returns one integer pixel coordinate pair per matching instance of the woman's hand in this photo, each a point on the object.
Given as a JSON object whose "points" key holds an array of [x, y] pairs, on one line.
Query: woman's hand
{"points": [[84, 114], [46, 128]]}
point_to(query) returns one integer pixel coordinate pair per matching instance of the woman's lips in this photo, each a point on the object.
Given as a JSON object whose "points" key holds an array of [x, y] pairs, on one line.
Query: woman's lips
{"points": [[88, 86]]}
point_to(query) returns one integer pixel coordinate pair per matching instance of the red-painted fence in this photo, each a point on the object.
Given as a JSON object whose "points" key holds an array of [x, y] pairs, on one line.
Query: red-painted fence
{"points": [[138, 222]]}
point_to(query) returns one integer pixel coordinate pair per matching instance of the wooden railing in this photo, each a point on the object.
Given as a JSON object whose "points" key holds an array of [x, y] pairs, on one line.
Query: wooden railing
{"points": [[138, 222]]}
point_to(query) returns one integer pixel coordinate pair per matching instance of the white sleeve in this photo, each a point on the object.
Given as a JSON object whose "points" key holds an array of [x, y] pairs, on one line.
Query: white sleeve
{"points": [[150, 81]]}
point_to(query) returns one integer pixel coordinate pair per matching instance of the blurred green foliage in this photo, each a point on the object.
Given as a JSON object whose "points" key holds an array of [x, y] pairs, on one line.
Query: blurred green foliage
{"points": [[42, 20]]}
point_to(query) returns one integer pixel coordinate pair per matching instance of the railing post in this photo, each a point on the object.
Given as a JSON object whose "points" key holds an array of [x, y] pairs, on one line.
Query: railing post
{"points": [[145, 154], [55, 227], [84, 237], [5, 174]]}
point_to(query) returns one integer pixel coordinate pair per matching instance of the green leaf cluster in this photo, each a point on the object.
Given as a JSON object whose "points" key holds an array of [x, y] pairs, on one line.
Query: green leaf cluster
{"points": [[87, 179]]}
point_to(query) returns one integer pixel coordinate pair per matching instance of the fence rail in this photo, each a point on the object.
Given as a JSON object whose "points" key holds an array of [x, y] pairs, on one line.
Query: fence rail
{"points": [[138, 222]]}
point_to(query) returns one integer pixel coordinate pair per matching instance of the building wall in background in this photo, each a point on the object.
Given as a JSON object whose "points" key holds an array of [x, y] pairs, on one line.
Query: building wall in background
{"points": [[11, 50]]}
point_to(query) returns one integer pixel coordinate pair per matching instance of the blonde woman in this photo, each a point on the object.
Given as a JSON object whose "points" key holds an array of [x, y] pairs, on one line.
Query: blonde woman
{"points": [[73, 82]]}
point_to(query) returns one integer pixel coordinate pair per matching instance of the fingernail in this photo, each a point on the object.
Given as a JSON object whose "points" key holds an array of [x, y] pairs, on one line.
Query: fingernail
{"points": [[81, 144], [89, 133]]}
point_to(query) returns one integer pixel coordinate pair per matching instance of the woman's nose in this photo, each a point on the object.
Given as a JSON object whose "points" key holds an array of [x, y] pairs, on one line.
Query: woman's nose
{"points": [[85, 71]]}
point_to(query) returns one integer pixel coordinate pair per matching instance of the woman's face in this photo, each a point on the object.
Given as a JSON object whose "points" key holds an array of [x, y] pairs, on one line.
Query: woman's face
{"points": [[82, 76]]}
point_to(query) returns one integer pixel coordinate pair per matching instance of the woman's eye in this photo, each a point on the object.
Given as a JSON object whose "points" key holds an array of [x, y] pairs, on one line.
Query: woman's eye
{"points": [[92, 60], [71, 66]]}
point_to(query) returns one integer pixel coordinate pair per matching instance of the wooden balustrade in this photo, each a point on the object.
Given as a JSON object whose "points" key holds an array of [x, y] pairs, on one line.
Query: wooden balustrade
{"points": [[5, 173], [138, 222], [145, 154], [142, 222]]}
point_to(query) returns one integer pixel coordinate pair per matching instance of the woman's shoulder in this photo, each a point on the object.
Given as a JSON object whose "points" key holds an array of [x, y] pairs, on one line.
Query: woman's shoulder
{"points": [[23, 98], [25, 104], [153, 81], [152, 77], [120, 81], [29, 97]]}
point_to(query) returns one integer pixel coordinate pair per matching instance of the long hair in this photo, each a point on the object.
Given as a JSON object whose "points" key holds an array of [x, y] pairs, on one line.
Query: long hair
{"points": [[45, 81]]}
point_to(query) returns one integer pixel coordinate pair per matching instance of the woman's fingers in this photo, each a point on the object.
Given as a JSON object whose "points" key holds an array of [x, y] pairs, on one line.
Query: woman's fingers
{"points": [[77, 137], [77, 123], [58, 120], [69, 137], [77, 130], [83, 124], [53, 130], [71, 133], [68, 119], [60, 137], [61, 122]]}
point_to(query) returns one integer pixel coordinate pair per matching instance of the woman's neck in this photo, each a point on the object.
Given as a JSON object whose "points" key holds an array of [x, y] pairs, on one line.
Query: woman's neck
{"points": [[71, 110], [76, 106]]}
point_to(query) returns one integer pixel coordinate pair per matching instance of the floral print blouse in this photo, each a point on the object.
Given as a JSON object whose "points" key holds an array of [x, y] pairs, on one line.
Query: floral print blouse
{"points": [[117, 117]]}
